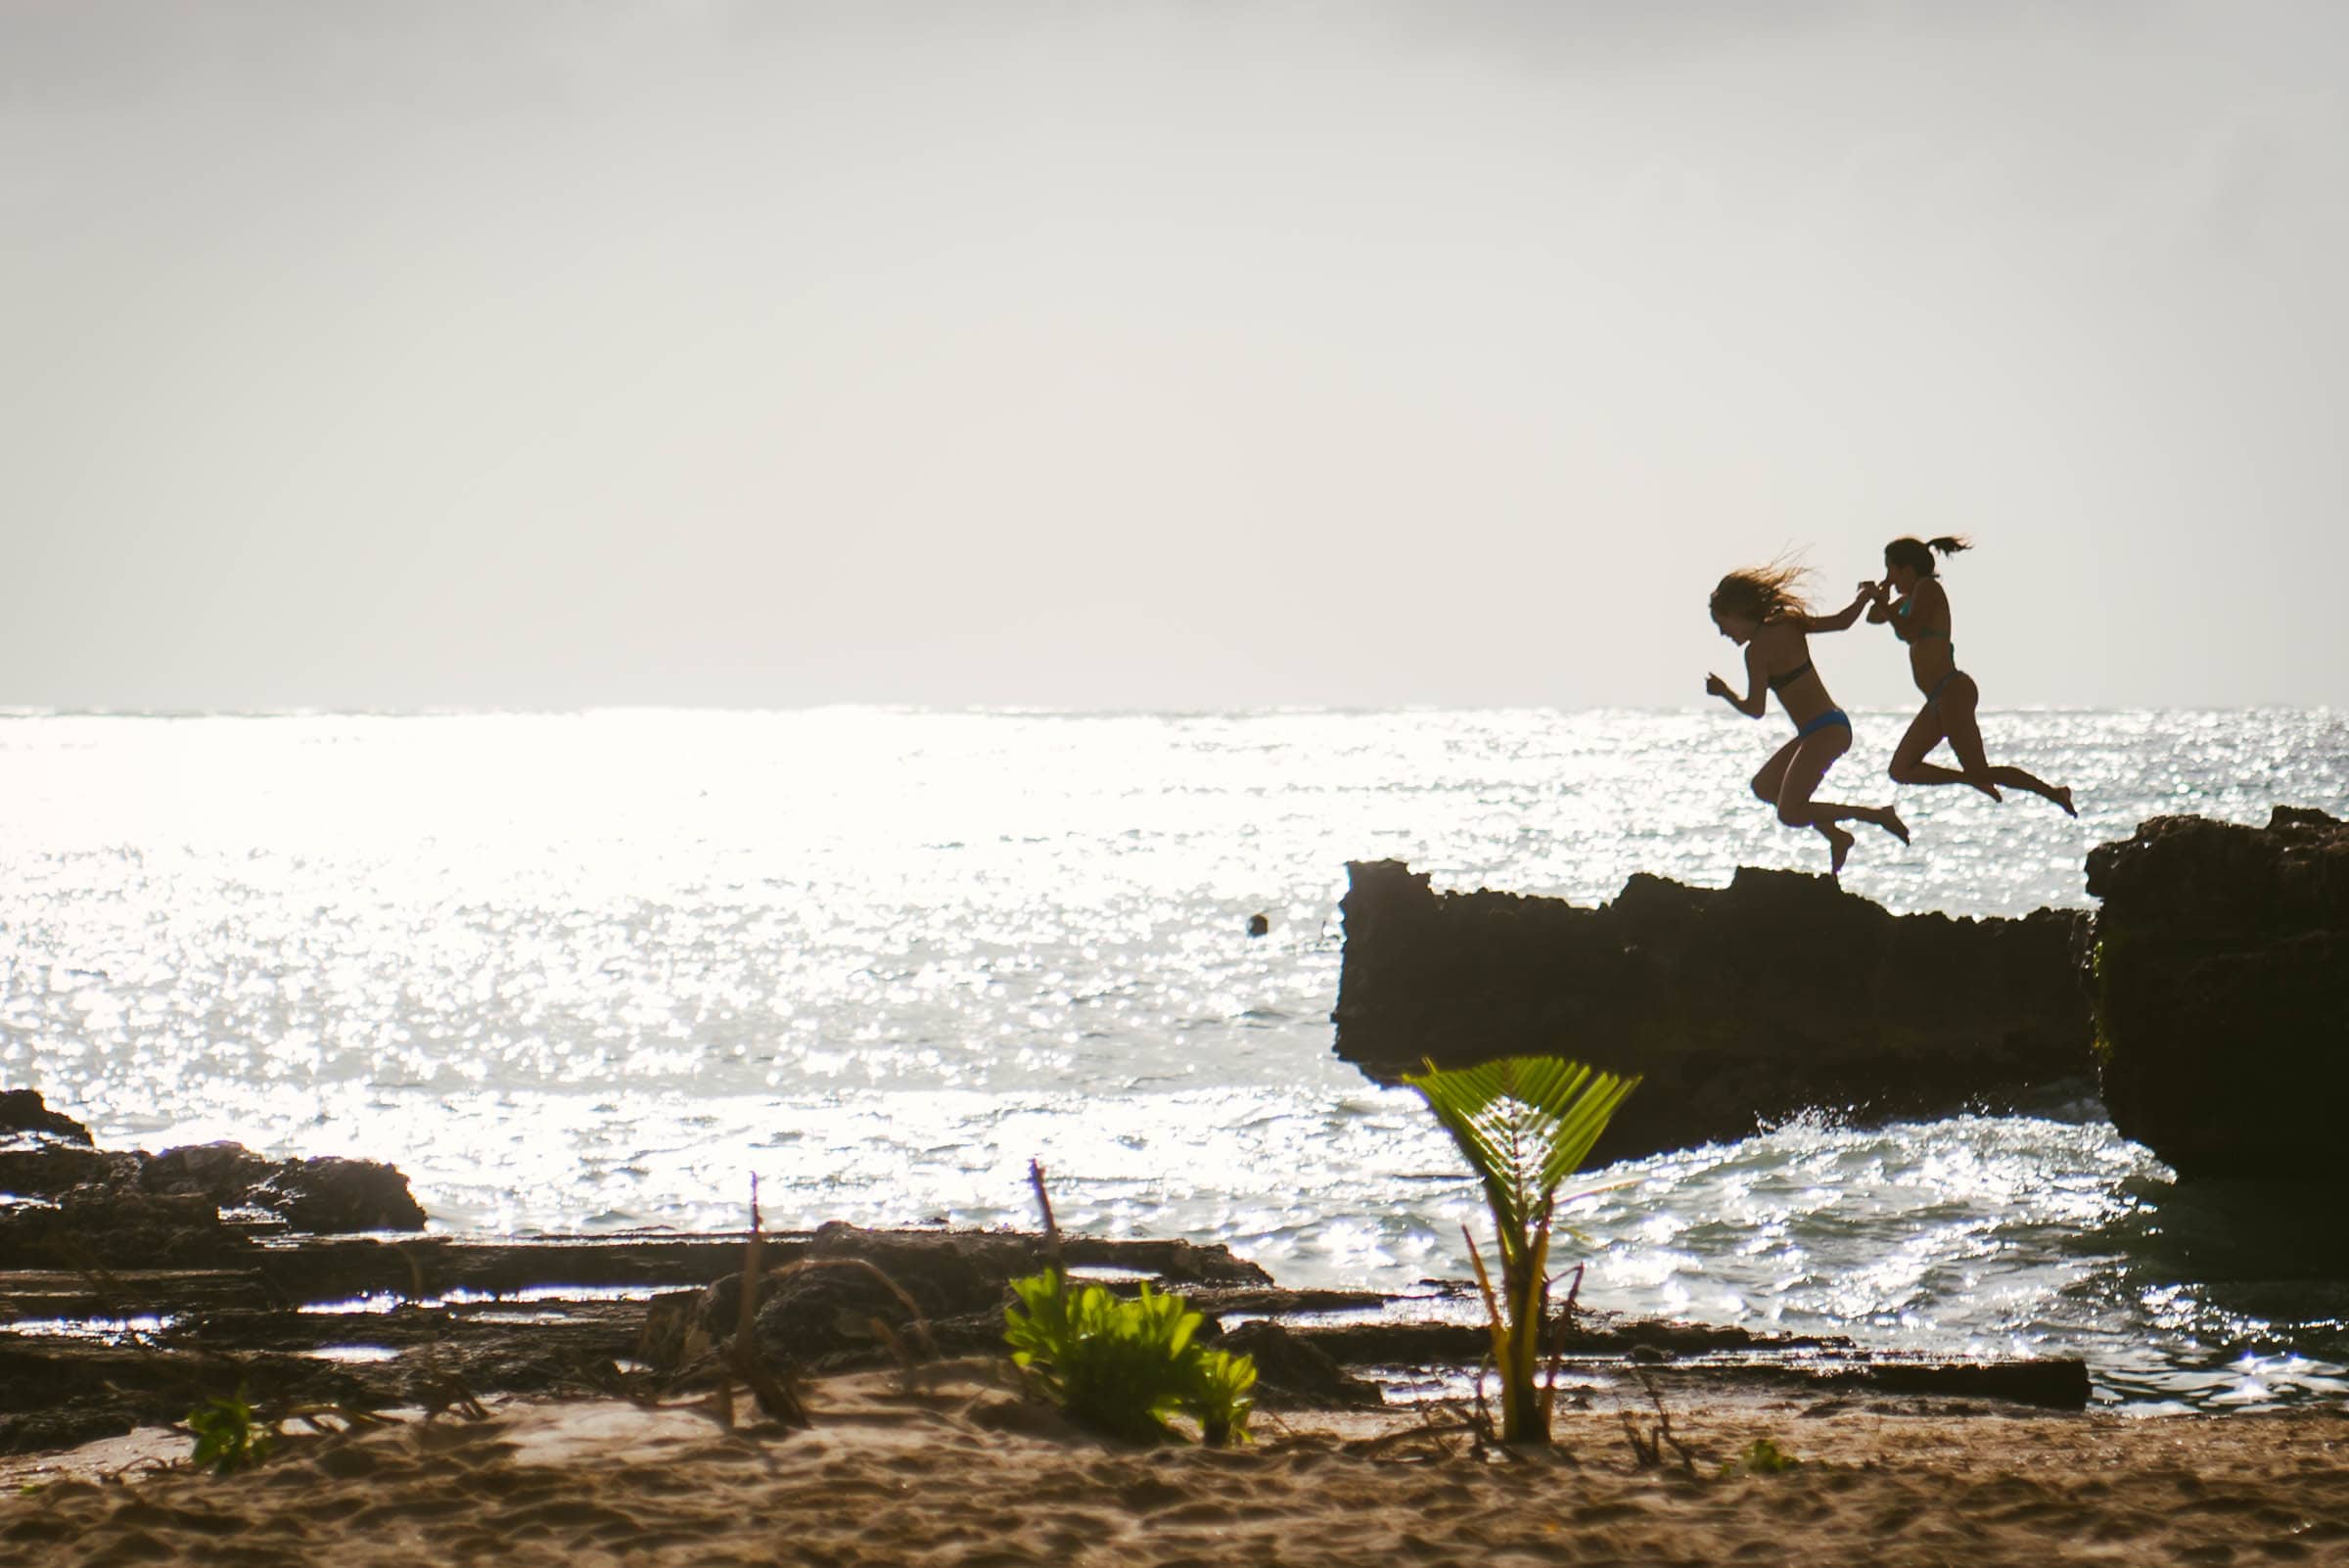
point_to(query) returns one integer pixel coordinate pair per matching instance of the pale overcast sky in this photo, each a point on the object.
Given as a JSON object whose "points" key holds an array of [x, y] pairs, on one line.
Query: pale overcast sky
{"points": [[1145, 354]]}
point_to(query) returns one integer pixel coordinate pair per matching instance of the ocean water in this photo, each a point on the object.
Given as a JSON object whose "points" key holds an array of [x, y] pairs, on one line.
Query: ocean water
{"points": [[594, 971]]}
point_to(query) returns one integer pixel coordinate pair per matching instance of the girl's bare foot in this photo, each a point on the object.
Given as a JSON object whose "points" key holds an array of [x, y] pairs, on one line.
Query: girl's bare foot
{"points": [[2063, 796], [1987, 788], [1839, 845], [1890, 821]]}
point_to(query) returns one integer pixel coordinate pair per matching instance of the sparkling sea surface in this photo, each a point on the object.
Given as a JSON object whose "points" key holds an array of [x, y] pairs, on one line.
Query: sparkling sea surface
{"points": [[591, 971]]}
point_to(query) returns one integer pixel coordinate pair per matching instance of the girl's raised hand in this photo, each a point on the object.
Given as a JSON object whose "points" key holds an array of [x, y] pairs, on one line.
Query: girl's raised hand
{"points": [[1715, 686]]}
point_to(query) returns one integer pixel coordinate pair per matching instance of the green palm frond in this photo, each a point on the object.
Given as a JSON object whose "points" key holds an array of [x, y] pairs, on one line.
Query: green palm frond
{"points": [[1524, 1124]]}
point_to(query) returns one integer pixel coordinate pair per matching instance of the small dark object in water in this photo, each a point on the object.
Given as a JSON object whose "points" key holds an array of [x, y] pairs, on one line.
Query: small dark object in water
{"points": [[1258, 925]]}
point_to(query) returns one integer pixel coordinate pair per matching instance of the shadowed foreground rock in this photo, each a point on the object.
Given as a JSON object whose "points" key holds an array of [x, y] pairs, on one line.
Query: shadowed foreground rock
{"points": [[2219, 970], [283, 1322], [1777, 994]]}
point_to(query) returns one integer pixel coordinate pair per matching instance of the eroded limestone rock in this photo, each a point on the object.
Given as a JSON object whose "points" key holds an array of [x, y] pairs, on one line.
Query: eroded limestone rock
{"points": [[2219, 967], [1741, 1005], [81, 1207]]}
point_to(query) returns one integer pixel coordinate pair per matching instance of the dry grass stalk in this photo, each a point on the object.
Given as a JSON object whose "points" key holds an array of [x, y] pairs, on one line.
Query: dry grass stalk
{"points": [[773, 1392], [1647, 1448], [1043, 1202], [1430, 1431]]}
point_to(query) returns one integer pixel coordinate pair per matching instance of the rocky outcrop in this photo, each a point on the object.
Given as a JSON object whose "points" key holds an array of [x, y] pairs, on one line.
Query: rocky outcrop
{"points": [[50, 1170], [79, 1207], [271, 1323], [333, 1196], [2219, 967], [24, 1111], [1778, 994], [99, 1226], [1291, 1372], [325, 1196]]}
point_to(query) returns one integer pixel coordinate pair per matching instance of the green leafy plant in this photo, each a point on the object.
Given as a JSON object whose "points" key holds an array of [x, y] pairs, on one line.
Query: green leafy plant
{"points": [[1123, 1366], [229, 1436], [1219, 1397], [1762, 1456], [1524, 1124]]}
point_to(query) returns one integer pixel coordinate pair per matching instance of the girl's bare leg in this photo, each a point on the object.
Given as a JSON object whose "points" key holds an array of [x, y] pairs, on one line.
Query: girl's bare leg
{"points": [[1883, 816], [1770, 784], [1965, 739], [1929, 730], [1806, 770], [1772, 777]]}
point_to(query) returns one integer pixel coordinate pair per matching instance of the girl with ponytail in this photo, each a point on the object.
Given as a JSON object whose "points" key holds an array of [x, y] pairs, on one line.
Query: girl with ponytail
{"points": [[1762, 610], [1920, 617]]}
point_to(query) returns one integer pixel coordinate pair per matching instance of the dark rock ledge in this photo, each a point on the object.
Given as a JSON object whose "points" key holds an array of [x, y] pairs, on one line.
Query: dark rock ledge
{"points": [[2219, 965], [285, 1323], [25, 1114], [2209, 997], [1740, 1006], [197, 1205], [127, 1295]]}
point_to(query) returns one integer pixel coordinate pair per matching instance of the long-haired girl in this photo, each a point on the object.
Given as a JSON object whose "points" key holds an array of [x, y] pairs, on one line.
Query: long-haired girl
{"points": [[1760, 610], [1920, 617]]}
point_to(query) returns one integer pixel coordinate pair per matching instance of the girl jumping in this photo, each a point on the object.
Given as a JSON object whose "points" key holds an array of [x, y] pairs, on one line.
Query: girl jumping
{"points": [[1760, 609], [1920, 617]]}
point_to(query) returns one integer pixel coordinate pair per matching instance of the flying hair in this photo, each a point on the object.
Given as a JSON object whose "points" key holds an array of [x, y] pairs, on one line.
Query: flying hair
{"points": [[1917, 554], [1763, 592]]}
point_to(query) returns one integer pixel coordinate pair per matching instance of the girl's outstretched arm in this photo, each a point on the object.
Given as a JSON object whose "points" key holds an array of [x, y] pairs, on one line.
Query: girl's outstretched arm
{"points": [[1756, 701], [1842, 620]]}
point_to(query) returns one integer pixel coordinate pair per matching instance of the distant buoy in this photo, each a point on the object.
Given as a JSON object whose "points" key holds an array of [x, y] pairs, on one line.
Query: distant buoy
{"points": [[1257, 925]]}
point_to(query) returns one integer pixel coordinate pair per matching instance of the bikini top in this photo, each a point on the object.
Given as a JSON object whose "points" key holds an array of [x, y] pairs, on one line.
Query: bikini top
{"points": [[1914, 634], [1781, 682]]}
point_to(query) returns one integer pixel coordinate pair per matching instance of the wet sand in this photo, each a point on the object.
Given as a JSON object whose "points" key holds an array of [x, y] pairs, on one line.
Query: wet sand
{"points": [[960, 1470]]}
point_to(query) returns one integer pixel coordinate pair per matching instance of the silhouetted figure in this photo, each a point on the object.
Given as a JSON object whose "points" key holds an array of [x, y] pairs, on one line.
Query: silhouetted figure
{"points": [[1257, 925], [1760, 609], [1920, 617]]}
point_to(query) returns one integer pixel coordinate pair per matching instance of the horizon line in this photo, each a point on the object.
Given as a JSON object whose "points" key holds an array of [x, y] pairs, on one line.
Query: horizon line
{"points": [[1050, 711]]}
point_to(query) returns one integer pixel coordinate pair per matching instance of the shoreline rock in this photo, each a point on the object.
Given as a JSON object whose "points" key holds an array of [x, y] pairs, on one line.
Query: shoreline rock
{"points": [[23, 1112], [2218, 967], [78, 1206], [294, 1323], [1741, 1005]]}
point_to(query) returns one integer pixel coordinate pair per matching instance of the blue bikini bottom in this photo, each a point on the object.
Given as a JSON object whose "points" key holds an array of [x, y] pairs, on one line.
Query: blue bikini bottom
{"points": [[1833, 715]]}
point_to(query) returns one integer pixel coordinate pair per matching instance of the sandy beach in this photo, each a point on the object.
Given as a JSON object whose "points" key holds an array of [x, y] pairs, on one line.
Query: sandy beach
{"points": [[961, 1470]]}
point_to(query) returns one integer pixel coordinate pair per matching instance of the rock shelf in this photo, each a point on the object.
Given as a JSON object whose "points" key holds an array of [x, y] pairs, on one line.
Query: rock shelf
{"points": [[1740, 1006], [347, 1322]]}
